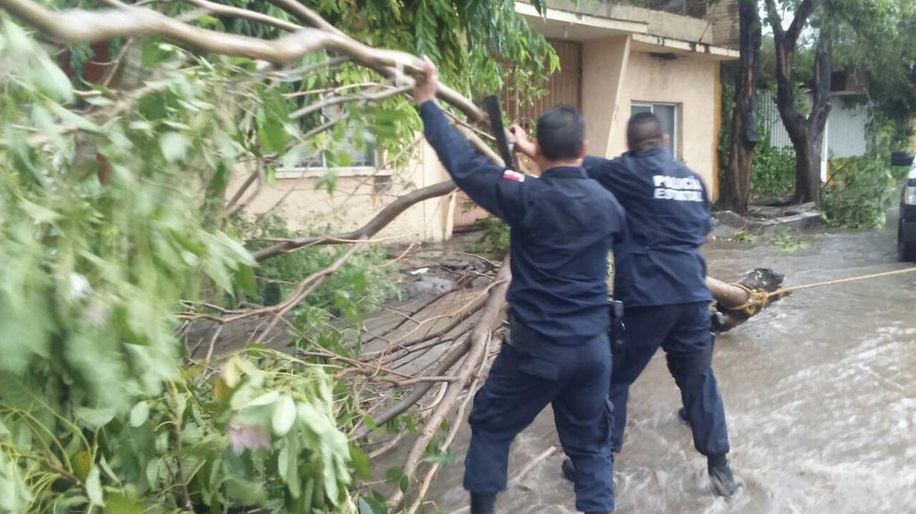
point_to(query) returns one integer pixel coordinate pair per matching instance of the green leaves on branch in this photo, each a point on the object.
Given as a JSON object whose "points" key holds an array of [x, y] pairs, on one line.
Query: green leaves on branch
{"points": [[254, 436], [103, 234], [105, 227]]}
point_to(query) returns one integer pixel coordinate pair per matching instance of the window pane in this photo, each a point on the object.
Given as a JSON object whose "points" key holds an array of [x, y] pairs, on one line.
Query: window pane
{"points": [[666, 115], [357, 149], [638, 108], [361, 151]]}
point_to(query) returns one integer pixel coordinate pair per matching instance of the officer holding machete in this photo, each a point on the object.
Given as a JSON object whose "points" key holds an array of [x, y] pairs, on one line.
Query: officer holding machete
{"points": [[562, 227]]}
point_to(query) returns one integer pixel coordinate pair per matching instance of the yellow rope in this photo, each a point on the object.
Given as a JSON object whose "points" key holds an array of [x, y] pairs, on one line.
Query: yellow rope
{"points": [[757, 298], [840, 281]]}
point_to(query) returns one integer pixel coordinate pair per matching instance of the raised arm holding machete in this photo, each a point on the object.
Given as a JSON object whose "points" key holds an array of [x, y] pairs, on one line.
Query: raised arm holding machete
{"points": [[562, 228]]}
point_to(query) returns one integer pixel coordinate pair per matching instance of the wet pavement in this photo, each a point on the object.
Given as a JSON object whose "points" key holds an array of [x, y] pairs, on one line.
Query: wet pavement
{"points": [[820, 393]]}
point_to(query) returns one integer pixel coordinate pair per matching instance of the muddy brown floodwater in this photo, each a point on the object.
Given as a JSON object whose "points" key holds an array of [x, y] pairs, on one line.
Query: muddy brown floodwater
{"points": [[820, 394]]}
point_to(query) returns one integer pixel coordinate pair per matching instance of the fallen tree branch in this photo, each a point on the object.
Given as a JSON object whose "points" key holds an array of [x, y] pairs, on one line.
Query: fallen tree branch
{"points": [[385, 216], [453, 431], [307, 286], [381, 94], [245, 14], [450, 359], [382, 219], [78, 25], [313, 19], [480, 335], [737, 302]]}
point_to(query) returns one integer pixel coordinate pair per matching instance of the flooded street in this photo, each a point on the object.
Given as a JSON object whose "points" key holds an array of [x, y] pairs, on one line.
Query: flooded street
{"points": [[820, 393]]}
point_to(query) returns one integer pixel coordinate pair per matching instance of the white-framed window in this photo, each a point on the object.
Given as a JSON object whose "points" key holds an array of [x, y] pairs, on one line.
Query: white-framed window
{"points": [[363, 155], [669, 116]]}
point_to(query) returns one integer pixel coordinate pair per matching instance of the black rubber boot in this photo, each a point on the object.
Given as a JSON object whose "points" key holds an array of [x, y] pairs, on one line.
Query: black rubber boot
{"points": [[569, 471], [482, 503], [682, 413], [721, 476]]}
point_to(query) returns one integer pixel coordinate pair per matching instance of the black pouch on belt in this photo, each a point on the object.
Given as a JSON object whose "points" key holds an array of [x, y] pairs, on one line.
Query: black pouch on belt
{"points": [[521, 338], [616, 330]]}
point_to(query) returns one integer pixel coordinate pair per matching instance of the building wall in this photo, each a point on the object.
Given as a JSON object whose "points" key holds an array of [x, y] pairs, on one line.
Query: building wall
{"points": [[689, 83], [656, 22], [358, 198], [604, 66], [723, 17]]}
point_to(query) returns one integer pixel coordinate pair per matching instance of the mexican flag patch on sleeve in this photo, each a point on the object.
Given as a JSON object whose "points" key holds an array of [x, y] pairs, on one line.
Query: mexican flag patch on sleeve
{"points": [[514, 176]]}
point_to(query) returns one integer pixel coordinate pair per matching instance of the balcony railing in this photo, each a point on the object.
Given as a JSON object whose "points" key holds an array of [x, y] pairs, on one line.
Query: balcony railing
{"points": [[692, 8]]}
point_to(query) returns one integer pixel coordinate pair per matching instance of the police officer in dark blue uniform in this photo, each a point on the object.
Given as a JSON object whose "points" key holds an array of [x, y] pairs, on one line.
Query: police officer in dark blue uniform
{"points": [[661, 279], [562, 227], [660, 275]]}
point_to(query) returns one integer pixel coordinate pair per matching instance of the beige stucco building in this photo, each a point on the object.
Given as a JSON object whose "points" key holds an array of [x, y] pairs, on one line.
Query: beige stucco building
{"points": [[615, 60]]}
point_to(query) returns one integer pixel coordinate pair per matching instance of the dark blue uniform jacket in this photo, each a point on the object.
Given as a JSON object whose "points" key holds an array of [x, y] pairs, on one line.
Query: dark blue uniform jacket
{"points": [[667, 219], [562, 227]]}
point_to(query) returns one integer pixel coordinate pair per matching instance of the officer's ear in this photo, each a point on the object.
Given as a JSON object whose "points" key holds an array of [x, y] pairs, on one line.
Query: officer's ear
{"points": [[584, 150], [537, 151]]}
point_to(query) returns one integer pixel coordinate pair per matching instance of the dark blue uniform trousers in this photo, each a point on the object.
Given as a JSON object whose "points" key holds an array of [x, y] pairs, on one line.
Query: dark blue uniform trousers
{"points": [[528, 374], [683, 332]]}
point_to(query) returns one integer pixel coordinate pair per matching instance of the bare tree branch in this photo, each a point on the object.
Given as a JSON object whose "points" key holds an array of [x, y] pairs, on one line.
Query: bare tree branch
{"points": [[313, 19], [453, 431], [774, 19], [376, 96], [236, 12], [383, 218], [454, 355], [306, 15], [480, 335], [802, 13], [78, 25]]}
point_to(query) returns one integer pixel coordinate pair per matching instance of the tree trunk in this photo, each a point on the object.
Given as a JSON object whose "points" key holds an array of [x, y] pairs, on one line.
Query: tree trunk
{"points": [[806, 132], [808, 166], [743, 127]]}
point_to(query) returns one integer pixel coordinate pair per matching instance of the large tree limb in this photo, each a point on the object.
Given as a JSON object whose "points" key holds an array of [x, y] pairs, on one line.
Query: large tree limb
{"points": [[313, 19], [802, 13], [823, 66], [79, 25], [382, 219], [774, 18], [386, 215], [739, 301]]}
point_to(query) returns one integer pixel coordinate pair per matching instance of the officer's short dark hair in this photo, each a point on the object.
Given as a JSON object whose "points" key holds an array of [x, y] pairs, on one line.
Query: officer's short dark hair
{"points": [[561, 133], [644, 132]]}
